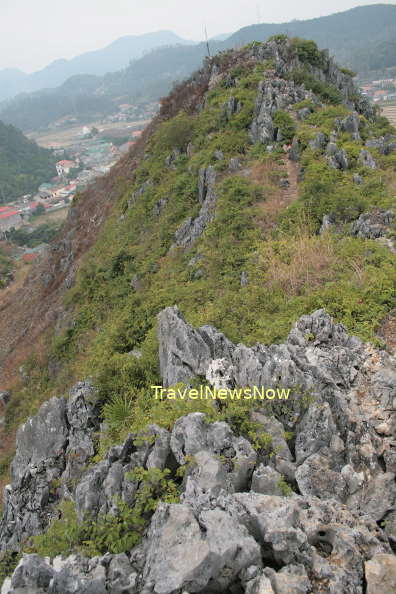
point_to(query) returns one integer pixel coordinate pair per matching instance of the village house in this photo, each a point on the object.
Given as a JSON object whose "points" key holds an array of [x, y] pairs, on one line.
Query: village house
{"points": [[9, 218], [64, 167]]}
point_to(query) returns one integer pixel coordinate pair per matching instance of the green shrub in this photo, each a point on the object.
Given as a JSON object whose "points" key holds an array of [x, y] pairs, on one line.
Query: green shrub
{"points": [[8, 562], [285, 123], [325, 91], [176, 133], [308, 51], [284, 487], [113, 532], [117, 413]]}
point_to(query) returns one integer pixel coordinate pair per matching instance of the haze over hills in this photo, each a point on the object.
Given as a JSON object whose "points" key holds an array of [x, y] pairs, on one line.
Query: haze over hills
{"points": [[360, 38], [113, 57]]}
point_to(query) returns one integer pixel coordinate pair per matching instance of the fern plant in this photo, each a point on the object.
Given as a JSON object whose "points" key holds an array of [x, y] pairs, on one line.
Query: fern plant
{"points": [[118, 411]]}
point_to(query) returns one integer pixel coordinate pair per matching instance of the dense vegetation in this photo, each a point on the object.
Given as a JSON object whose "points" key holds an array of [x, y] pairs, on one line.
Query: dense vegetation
{"points": [[361, 38], [31, 238], [5, 268], [135, 270], [23, 164]]}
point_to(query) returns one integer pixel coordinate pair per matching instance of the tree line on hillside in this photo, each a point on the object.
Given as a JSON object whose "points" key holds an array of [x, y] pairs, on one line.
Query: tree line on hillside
{"points": [[23, 164]]}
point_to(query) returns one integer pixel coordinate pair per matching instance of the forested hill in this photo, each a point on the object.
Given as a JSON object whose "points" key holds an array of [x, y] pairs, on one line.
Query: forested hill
{"points": [[345, 34], [360, 39], [23, 164]]}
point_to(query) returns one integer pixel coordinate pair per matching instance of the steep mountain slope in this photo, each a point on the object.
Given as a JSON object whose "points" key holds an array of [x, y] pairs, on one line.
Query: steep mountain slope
{"points": [[262, 195], [360, 38], [113, 57], [23, 164]]}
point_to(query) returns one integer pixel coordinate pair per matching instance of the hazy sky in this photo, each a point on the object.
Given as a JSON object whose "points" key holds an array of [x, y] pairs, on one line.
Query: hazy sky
{"points": [[36, 32]]}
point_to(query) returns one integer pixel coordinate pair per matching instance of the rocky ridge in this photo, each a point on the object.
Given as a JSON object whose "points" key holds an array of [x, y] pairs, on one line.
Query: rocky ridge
{"points": [[235, 528], [311, 510]]}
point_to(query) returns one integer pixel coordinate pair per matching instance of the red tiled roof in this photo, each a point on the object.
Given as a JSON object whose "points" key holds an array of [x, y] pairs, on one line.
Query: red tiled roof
{"points": [[65, 163], [6, 215], [5, 208], [29, 257]]}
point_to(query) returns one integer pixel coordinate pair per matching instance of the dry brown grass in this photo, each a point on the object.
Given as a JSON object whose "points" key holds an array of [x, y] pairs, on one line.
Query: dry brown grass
{"points": [[293, 264], [267, 176]]}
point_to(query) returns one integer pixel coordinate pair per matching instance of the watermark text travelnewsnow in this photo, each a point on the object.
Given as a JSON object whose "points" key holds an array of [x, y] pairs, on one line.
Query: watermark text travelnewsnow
{"points": [[211, 393]]}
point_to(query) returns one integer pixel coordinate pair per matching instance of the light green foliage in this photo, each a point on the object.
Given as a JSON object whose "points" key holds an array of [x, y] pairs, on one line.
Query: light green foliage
{"points": [[348, 72], [62, 536], [119, 532], [42, 234], [284, 487], [113, 532], [325, 118], [286, 125], [308, 51], [325, 91], [6, 266], [8, 562], [305, 103], [117, 412]]}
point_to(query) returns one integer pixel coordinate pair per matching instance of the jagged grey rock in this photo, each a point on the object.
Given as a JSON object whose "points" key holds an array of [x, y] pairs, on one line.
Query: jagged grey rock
{"points": [[51, 447], [336, 157], [191, 229], [219, 548], [234, 165], [230, 108], [384, 144], [319, 142], [102, 484], [143, 188], [159, 207], [292, 578], [322, 360], [266, 480], [328, 223], [192, 436], [380, 573], [273, 94], [351, 124], [304, 113], [371, 225], [357, 179], [295, 150], [366, 159]]}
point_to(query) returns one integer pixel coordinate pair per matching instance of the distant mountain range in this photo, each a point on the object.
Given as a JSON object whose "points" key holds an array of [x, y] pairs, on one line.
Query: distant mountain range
{"points": [[113, 57], [361, 38]]}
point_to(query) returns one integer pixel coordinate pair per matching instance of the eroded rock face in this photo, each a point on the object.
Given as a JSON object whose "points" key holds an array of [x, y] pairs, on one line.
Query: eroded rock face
{"points": [[191, 229], [230, 545], [367, 160], [273, 94], [372, 225], [236, 528], [339, 440], [385, 144], [103, 484], [54, 444], [336, 157]]}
